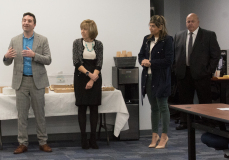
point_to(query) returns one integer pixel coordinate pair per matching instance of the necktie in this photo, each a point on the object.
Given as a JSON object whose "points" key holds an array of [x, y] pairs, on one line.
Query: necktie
{"points": [[189, 47]]}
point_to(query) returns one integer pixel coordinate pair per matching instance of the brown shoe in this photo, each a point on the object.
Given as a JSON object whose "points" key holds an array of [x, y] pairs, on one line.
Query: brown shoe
{"points": [[20, 149], [45, 148]]}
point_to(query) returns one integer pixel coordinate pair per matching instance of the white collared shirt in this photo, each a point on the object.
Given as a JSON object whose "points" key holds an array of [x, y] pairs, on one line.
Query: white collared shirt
{"points": [[193, 40], [152, 44]]}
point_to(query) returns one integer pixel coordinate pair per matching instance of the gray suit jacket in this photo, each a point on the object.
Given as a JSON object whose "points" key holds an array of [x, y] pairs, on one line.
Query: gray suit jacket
{"points": [[42, 57]]}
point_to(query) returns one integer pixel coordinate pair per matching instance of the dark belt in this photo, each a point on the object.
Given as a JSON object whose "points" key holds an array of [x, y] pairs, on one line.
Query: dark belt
{"points": [[187, 67], [27, 75]]}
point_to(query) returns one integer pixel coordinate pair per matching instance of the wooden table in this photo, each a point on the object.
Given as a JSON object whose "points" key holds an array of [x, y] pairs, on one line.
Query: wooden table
{"points": [[209, 111]]}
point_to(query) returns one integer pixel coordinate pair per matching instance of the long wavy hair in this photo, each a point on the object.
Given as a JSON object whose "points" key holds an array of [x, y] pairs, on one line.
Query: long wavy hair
{"points": [[159, 21]]}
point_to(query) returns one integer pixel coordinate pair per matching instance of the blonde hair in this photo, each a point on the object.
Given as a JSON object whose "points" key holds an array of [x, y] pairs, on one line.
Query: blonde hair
{"points": [[90, 25], [159, 21]]}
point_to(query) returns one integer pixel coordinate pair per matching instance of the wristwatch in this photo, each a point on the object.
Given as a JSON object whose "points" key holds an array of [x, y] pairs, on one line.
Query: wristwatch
{"points": [[87, 73]]}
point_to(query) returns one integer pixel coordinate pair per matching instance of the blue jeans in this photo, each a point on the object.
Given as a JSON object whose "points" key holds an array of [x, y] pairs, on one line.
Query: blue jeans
{"points": [[159, 109], [215, 141]]}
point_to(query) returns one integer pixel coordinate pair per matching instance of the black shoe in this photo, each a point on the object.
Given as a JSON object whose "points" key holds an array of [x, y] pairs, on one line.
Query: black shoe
{"points": [[226, 156], [181, 126], [92, 142], [84, 141]]}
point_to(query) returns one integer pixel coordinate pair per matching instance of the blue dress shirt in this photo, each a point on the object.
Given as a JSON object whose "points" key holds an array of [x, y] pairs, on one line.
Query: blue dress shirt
{"points": [[27, 61]]}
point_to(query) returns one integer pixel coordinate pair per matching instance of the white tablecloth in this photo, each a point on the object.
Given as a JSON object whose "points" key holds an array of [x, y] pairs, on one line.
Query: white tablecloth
{"points": [[62, 104]]}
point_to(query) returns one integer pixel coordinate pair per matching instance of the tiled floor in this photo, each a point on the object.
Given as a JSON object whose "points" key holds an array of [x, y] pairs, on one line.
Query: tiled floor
{"points": [[117, 150]]}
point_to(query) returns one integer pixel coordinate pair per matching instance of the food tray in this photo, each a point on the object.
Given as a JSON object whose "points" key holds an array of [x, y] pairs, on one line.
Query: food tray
{"points": [[46, 90], [108, 88], [52, 87], [63, 90], [1, 88]]}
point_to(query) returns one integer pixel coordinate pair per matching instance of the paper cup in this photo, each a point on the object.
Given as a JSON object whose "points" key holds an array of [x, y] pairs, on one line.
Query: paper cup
{"points": [[129, 54], [217, 73], [118, 54], [123, 53]]}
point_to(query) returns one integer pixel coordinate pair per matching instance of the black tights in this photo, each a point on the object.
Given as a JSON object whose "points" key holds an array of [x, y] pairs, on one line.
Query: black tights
{"points": [[93, 118]]}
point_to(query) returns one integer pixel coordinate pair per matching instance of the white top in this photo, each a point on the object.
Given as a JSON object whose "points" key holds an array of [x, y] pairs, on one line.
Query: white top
{"points": [[152, 44], [193, 40], [86, 53]]}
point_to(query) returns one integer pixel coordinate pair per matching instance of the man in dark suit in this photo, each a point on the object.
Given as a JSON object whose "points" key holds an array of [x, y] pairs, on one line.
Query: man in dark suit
{"points": [[197, 54]]}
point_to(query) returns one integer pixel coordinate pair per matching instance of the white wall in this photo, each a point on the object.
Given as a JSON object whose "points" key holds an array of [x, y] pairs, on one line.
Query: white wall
{"points": [[213, 15], [122, 24], [172, 16]]}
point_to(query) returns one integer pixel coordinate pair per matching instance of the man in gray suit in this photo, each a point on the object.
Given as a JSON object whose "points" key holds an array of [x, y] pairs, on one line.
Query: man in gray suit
{"points": [[30, 52], [197, 55]]}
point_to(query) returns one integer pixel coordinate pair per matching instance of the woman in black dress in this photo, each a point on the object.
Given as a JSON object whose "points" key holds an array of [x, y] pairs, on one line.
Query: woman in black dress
{"points": [[88, 59]]}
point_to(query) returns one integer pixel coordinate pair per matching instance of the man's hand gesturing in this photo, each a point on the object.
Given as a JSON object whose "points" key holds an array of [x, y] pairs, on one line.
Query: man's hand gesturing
{"points": [[28, 53], [11, 53]]}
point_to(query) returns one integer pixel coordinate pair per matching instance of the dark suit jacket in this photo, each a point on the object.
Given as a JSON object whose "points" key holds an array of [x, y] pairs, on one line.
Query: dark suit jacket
{"points": [[204, 57]]}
